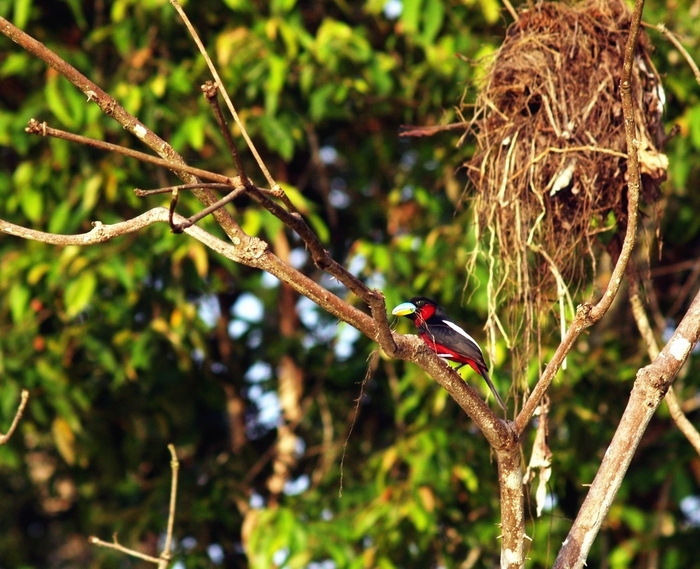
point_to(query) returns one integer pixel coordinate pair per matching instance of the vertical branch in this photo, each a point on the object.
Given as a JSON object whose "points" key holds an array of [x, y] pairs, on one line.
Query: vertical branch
{"points": [[510, 481], [175, 466], [224, 94]]}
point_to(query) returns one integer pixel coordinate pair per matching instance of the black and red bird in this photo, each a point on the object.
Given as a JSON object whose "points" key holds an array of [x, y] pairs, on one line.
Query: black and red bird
{"points": [[445, 338]]}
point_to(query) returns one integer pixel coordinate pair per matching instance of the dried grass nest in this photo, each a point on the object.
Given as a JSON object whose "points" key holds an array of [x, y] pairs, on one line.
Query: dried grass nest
{"points": [[550, 167]]}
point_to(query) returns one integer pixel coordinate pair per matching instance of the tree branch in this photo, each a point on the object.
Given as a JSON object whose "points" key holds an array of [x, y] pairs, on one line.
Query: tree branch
{"points": [[652, 383], [113, 109], [24, 397], [224, 94], [163, 559], [640, 317]]}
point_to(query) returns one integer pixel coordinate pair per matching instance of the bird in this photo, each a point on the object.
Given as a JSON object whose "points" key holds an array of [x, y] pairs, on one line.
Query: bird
{"points": [[445, 338]]}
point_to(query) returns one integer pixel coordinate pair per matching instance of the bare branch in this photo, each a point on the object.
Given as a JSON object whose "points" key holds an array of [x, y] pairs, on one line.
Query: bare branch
{"points": [[113, 109], [661, 27], [35, 127], [224, 94], [649, 389], [511, 10], [640, 317], [175, 466], [165, 556], [210, 91], [119, 547], [24, 397], [170, 189]]}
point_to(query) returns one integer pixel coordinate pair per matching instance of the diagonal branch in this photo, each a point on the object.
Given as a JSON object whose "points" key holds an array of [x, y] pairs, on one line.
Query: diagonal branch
{"points": [[674, 407], [652, 383], [113, 109], [224, 94], [211, 91], [255, 253], [42, 129]]}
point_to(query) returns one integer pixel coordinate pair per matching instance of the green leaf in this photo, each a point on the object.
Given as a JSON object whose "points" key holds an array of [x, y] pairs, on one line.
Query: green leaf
{"points": [[277, 137], [91, 192], [410, 16], [32, 203], [433, 17], [14, 64], [59, 217], [19, 301], [79, 293], [191, 132], [239, 5], [281, 7], [318, 102], [278, 68], [21, 14], [491, 9], [57, 102], [694, 125]]}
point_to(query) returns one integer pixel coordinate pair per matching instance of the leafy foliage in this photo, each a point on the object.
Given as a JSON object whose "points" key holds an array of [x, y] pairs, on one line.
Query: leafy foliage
{"points": [[151, 339]]}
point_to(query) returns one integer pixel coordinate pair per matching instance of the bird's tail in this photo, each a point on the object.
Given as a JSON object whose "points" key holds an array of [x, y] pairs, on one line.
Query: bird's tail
{"points": [[485, 374]]}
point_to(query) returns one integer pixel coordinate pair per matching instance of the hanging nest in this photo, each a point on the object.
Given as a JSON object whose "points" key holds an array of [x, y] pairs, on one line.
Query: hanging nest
{"points": [[550, 166]]}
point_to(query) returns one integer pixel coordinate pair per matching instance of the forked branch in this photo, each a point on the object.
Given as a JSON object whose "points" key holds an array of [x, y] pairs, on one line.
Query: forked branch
{"points": [[164, 558]]}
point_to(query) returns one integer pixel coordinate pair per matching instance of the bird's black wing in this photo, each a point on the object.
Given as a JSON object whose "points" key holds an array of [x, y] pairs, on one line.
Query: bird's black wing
{"points": [[448, 334]]}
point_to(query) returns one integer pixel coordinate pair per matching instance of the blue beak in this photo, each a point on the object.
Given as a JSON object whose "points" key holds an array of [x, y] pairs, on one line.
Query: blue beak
{"points": [[404, 309]]}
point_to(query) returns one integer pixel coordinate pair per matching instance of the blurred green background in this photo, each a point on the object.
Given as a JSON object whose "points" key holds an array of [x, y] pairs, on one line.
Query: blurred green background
{"points": [[150, 338]]}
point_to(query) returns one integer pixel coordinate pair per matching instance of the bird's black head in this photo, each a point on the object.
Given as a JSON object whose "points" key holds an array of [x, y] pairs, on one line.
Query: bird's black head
{"points": [[418, 309]]}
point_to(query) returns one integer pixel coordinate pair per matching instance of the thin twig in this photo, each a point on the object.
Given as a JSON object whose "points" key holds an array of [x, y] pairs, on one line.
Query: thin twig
{"points": [[169, 189], [119, 547], [661, 27], [224, 94], [35, 127], [175, 466], [270, 180], [165, 556], [210, 91], [24, 397], [511, 10], [180, 227], [371, 366], [674, 407]]}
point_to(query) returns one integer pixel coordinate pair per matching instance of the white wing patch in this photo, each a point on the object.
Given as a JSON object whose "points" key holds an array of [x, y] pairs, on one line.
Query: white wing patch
{"points": [[463, 333]]}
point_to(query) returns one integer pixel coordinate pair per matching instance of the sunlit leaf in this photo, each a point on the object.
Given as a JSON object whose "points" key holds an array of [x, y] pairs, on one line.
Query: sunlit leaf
{"points": [[19, 301], [79, 293], [64, 438]]}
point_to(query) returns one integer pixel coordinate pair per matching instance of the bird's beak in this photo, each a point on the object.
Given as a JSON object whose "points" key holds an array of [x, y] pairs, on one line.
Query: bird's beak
{"points": [[404, 309]]}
